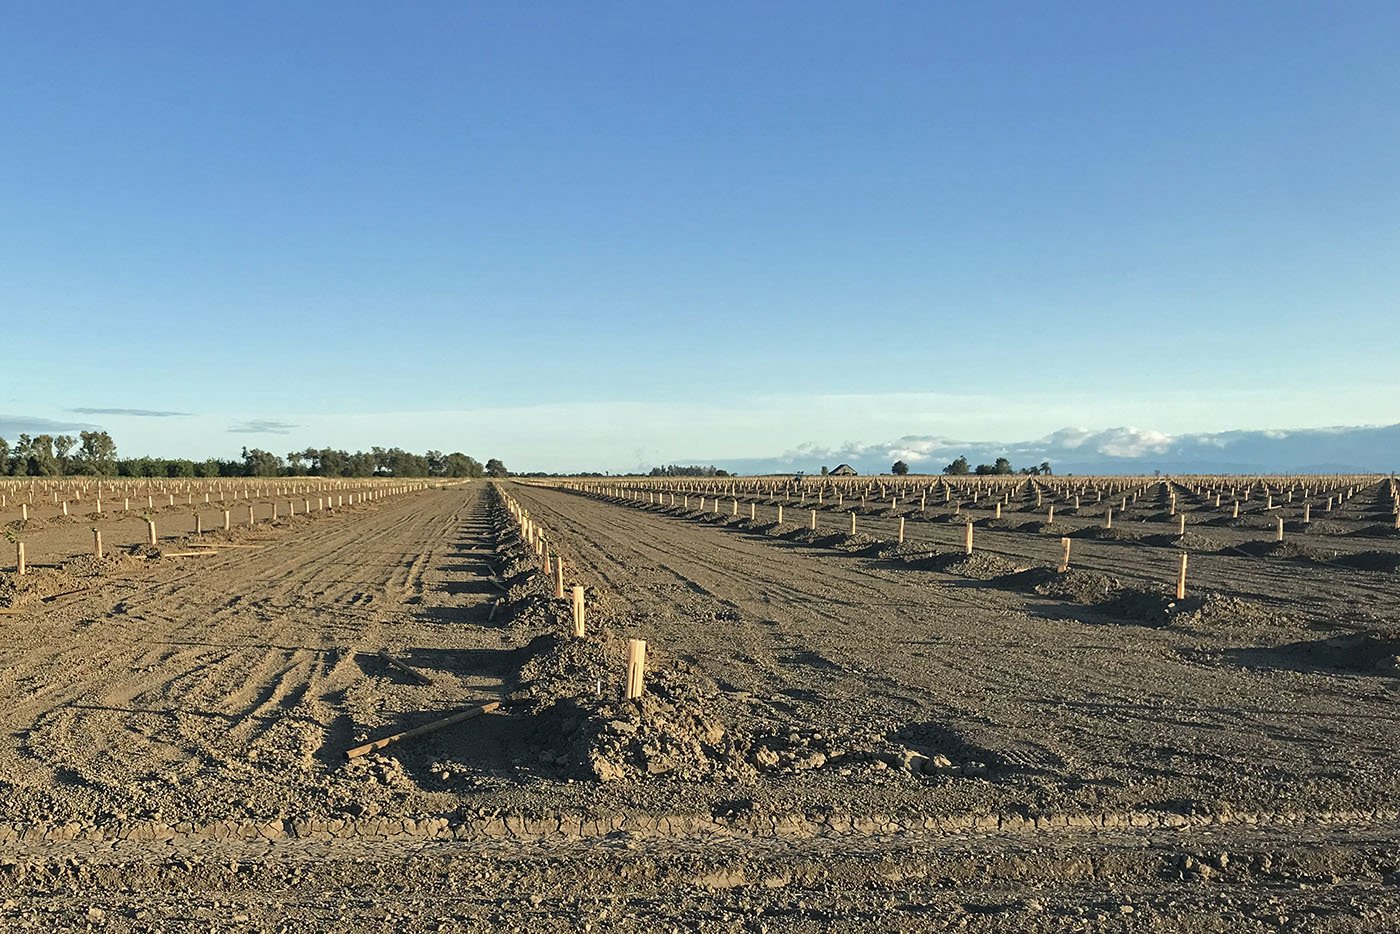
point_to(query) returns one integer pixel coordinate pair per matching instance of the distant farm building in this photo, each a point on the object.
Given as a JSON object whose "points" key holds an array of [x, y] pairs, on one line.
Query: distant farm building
{"points": [[845, 470]]}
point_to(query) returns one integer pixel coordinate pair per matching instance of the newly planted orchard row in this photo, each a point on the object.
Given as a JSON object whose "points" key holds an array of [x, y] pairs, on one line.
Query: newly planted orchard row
{"points": [[187, 518], [1138, 530], [545, 548]]}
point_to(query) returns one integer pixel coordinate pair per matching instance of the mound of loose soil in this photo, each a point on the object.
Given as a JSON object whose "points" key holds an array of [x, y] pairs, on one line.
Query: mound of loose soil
{"points": [[1142, 607], [668, 732], [1195, 541], [1284, 549], [1317, 527], [1041, 527], [1227, 522], [856, 542], [1075, 586], [1216, 611], [1366, 653], [1100, 533], [90, 566], [1384, 561], [908, 551], [979, 565], [1377, 531]]}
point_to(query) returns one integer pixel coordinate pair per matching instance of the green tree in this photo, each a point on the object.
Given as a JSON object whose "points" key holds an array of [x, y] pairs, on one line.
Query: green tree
{"points": [[958, 468], [41, 461], [458, 464], [359, 464], [97, 453], [260, 463], [61, 446], [494, 468], [825, 470], [899, 468], [140, 467], [401, 463], [1000, 466], [381, 459]]}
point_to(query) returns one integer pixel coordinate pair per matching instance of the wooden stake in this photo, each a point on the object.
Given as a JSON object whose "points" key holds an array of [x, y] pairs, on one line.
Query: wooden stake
{"points": [[814, 520], [413, 673], [434, 726], [580, 626], [1278, 532], [967, 539], [558, 578], [636, 668], [1064, 558], [901, 530], [1108, 518], [780, 514], [226, 521], [1181, 579], [97, 544], [853, 522], [19, 559], [1181, 524], [150, 531]]}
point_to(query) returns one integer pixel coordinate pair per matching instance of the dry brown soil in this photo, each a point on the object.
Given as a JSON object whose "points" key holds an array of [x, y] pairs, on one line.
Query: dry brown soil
{"points": [[837, 733]]}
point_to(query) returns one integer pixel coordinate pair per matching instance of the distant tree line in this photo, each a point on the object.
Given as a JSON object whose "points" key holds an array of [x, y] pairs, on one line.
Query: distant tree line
{"points": [[1001, 466], [94, 453], [675, 470]]}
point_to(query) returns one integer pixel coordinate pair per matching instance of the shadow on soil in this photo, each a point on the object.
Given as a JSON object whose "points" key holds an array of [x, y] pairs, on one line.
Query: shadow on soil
{"points": [[1358, 653]]}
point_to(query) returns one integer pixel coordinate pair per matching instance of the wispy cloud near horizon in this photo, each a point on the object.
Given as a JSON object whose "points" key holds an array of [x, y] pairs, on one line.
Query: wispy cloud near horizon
{"points": [[32, 424], [263, 426], [137, 413]]}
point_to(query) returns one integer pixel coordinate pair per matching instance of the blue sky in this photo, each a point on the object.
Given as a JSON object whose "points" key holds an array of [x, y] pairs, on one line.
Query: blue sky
{"points": [[604, 235]]}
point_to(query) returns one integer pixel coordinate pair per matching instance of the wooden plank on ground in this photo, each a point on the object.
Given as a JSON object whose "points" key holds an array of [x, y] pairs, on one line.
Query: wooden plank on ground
{"points": [[413, 673], [433, 727]]}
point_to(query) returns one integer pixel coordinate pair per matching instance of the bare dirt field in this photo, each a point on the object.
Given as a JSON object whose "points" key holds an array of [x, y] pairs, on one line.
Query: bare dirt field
{"points": [[837, 731]]}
